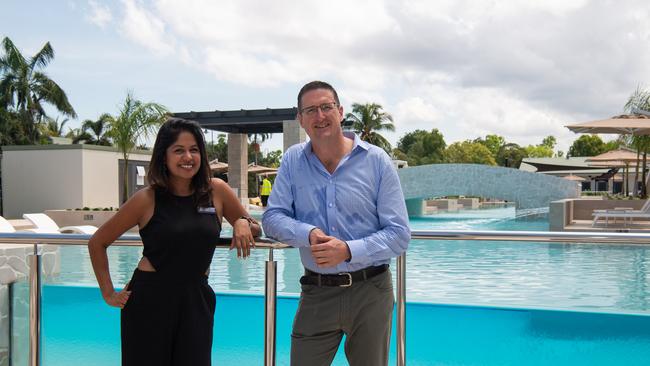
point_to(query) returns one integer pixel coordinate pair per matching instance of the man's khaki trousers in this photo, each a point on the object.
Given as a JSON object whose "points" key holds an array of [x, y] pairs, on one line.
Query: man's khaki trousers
{"points": [[363, 312]]}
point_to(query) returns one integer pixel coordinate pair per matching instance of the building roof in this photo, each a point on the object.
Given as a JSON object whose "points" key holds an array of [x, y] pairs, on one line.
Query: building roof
{"points": [[552, 164], [267, 120]]}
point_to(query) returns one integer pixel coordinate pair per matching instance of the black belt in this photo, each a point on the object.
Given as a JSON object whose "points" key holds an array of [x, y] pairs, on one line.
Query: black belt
{"points": [[344, 279]]}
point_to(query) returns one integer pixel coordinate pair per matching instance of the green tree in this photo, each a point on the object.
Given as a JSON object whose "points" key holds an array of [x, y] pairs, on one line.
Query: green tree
{"points": [[469, 152], [510, 155], [95, 132], [218, 150], [587, 145], [11, 129], [367, 120], [539, 151], [549, 141], [272, 159], [640, 99], [25, 87], [421, 147], [136, 121], [52, 128], [543, 150], [493, 143], [256, 139]]}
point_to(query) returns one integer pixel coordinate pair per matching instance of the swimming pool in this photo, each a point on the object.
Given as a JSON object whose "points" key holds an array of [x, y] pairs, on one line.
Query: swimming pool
{"points": [[565, 276], [470, 303], [81, 330]]}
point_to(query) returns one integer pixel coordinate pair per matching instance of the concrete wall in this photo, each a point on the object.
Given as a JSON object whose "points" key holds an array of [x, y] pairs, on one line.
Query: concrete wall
{"points": [[528, 190], [450, 204], [469, 203], [583, 208], [37, 179], [564, 212], [45, 177], [100, 180]]}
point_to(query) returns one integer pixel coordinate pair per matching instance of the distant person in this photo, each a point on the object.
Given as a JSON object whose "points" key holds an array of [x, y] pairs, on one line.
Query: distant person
{"points": [[339, 200], [265, 191], [168, 307]]}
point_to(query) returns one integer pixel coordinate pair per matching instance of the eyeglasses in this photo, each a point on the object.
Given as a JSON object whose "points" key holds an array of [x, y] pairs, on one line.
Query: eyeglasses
{"points": [[325, 108]]}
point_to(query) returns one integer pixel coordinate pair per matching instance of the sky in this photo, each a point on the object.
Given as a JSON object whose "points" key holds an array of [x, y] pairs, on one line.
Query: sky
{"points": [[519, 69]]}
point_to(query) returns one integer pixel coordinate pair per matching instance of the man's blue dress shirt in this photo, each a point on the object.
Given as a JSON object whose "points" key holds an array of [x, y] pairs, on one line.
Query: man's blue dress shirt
{"points": [[360, 203]]}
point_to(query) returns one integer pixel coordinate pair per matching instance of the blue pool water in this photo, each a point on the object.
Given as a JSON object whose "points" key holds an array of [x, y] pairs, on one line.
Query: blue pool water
{"points": [[472, 303], [81, 330], [565, 276]]}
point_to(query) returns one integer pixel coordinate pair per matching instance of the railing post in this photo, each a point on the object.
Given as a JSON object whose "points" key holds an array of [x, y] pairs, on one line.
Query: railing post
{"points": [[401, 310], [10, 307], [270, 298], [35, 308]]}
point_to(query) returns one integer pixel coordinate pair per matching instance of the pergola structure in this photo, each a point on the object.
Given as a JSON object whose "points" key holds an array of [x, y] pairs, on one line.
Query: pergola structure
{"points": [[238, 124]]}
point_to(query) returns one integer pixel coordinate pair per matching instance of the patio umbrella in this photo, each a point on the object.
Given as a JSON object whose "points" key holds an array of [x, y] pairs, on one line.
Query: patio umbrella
{"points": [[574, 178], [626, 124], [260, 169], [218, 167], [616, 158]]}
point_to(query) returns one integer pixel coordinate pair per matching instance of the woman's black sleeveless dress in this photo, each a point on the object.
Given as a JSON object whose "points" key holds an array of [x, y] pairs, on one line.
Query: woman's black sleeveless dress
{"points": [[168, 318]]}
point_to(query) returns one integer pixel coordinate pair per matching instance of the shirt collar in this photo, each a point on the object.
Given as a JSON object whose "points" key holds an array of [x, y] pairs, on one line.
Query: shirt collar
{"points": [[356, 142]]}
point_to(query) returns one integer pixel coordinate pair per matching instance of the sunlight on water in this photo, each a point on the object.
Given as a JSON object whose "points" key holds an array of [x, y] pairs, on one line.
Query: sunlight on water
{"points": [[584, 276]]}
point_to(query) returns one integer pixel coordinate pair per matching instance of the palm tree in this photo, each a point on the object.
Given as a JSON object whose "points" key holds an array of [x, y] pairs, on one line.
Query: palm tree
{"points": [[24, 87], [255, 139], [52, 128], [640, 99], [369, 118], [137, 121], [77, 135], [96, 132], [11, 131]]}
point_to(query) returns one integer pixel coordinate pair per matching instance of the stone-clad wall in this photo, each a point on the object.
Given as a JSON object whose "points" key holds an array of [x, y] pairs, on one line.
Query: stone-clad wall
{"points": [[527, 190], [14, 266]]}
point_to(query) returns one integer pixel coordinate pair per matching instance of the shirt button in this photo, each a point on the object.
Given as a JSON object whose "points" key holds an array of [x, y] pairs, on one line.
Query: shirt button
{"points": [[333, 228], [330, 204]]}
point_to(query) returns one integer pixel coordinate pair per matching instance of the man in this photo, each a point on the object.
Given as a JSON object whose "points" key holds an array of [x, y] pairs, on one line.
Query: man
{"points": [[265, 190], [339, 200]]}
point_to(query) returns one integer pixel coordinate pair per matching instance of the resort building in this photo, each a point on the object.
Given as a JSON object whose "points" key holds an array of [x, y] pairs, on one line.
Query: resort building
{"points": [[589, 176], [44, 177]]}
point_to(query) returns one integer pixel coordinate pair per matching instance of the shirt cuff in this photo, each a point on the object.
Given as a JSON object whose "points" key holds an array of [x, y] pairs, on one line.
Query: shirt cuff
{"points": [[302, 234], [358, 251]]}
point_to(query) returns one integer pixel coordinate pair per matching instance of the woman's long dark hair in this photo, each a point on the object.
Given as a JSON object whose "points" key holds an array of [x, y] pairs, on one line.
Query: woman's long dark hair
{"points": [[158, 174]]}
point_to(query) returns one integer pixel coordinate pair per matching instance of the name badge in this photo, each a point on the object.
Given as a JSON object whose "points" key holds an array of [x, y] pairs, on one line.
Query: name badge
{"points": [[207, 210]]}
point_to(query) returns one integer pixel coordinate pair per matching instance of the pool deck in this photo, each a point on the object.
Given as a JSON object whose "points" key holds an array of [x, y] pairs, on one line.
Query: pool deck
{"points": [[635, 226]]}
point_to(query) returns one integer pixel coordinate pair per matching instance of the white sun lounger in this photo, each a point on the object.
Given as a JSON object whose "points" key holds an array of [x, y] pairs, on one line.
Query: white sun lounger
{"points": [[625, 214], [5, 226], [44, 224]]}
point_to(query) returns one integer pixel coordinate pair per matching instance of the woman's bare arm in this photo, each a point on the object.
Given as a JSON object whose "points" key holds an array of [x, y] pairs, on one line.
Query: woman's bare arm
{"points": [[130, 214]]}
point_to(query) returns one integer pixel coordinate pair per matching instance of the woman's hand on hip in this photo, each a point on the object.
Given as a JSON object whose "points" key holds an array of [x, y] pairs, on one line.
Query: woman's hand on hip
{"points": [[118, 298]]}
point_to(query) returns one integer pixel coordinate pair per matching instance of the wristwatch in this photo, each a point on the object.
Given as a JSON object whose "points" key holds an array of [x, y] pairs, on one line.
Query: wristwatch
{"points": [[250, 220]]}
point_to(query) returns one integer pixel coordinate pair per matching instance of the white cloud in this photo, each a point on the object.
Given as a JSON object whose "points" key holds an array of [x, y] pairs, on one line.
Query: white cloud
{"points": [[145, 28], [99, 14], [519, 69]]}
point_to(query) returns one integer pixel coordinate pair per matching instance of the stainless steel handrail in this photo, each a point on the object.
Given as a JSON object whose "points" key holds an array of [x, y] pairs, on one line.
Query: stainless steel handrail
{"points": [[271, 270], [37, 239], [589, 237]]}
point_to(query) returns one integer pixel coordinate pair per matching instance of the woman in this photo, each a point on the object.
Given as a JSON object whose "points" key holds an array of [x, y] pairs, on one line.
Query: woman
{"points": [[168, 306]]}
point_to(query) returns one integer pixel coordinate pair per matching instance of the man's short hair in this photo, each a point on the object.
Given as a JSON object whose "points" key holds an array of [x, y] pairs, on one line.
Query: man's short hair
{"points": [[313, 85]]}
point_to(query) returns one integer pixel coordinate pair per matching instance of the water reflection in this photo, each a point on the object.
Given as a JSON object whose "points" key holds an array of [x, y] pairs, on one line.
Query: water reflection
{"points": [[605, 277]]}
